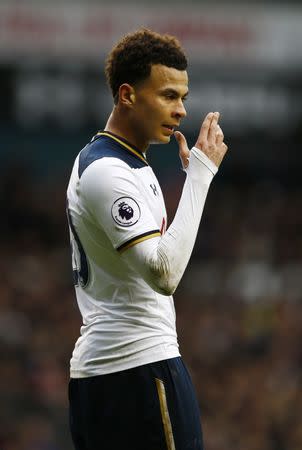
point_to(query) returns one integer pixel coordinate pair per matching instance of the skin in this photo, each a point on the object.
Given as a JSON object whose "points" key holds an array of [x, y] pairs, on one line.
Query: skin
{"points": [[145, 112]]}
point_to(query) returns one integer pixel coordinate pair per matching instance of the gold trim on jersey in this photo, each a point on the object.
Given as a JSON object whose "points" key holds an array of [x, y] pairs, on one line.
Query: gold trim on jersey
{"points": [[165, 414], [138, 239], [115, 138]]}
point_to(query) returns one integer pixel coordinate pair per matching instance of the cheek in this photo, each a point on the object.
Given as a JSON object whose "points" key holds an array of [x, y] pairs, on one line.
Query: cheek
{"points": [[146, 110], [157, 111], [150, 115]]}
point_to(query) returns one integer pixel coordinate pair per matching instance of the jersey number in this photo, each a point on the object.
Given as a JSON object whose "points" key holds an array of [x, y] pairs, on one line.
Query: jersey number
{"points": [[79, 259]]}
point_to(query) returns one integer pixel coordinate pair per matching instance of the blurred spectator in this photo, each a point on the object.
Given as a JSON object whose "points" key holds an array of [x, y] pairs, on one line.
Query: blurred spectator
{"points": [[239, 314]]}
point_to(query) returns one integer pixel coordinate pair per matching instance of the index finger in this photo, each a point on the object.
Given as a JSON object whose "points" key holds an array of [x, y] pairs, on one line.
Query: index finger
{"points": [[213, 128], [204, 130]]}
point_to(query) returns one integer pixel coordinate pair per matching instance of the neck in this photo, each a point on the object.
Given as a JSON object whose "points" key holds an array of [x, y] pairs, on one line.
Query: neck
{"points": [[118, 123]]}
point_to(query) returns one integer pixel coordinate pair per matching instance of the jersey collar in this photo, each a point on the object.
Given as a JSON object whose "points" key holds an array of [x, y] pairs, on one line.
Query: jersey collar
{"points": [[125, 144]]}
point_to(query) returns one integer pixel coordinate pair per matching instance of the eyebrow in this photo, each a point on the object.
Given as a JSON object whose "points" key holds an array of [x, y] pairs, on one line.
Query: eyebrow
{"points": [[174, 92]]}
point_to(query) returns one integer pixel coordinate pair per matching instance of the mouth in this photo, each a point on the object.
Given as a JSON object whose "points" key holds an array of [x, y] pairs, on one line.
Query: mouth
{"points": [[170, 128]]}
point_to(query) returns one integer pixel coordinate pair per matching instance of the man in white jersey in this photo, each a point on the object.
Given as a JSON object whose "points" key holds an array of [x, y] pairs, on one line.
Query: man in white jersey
{"points": [[129, 388]]}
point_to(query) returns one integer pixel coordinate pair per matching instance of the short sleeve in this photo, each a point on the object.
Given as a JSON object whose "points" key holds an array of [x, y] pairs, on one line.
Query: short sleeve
{"points": [[108, 188]]}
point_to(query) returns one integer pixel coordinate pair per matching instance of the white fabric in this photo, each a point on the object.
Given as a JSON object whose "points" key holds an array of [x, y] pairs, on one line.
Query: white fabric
{"points": [[162, 261], [106, 181], [128, 312], [203, 158]]}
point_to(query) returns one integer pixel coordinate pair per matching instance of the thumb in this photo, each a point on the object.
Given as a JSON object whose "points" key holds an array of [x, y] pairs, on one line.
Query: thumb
{"points": [[184, 152]]}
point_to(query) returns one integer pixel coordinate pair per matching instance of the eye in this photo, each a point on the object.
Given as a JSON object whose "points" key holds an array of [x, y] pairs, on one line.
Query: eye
{"points": [[170, 96]]}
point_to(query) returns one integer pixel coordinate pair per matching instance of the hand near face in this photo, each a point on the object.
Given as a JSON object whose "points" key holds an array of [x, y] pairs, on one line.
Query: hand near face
{"points": [[209, 141]]}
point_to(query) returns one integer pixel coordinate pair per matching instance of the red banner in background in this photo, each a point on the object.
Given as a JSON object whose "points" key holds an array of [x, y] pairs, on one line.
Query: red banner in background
{"points": [[264, 35]]}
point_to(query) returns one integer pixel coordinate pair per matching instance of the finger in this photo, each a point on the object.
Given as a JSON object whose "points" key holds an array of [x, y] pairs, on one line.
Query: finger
{"points": [[213, 129], [225, 148], [204, 130], [184, 152], [219, 135]]}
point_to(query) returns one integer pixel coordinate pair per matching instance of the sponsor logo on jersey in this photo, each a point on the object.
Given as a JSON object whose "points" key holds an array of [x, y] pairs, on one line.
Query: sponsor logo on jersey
{"points": [[154, 189], [125, 211]]}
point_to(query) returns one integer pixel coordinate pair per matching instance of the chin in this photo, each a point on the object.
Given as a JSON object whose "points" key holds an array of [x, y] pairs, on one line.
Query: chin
{"points": [[161, 140]]}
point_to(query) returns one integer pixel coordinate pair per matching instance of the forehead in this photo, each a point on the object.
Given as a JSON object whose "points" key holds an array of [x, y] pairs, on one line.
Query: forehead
{"points": [[163, 77]]}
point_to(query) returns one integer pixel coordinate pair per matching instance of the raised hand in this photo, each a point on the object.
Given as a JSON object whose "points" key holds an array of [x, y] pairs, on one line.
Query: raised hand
{"points": [[210, 141]]}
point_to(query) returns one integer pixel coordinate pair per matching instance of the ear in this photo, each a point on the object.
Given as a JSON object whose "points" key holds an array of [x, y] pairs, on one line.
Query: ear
{"points": [[126, 94]]}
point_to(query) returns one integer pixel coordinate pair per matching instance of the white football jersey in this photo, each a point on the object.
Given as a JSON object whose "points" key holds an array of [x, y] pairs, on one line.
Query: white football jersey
{"points": [[114, 201]]}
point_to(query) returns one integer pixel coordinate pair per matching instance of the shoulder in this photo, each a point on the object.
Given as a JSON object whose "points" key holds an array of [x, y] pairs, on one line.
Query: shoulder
{"points": [[102, 149], [105, 177], [105, 169]]}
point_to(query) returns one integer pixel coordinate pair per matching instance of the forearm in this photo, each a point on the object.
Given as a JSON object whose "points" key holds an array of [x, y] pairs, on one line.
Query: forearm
{"points": [[162, 261]]}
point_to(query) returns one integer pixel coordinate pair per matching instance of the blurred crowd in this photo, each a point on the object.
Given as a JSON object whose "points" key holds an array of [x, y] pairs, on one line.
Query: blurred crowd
{"points": [[239, 315]]}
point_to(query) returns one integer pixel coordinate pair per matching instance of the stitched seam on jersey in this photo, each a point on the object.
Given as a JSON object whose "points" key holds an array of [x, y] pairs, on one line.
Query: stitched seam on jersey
{"points": [[124, 145], [165, 416], [137, 239]]}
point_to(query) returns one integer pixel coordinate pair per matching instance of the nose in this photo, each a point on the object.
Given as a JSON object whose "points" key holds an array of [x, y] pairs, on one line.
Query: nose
{"points": [[180, 111]]}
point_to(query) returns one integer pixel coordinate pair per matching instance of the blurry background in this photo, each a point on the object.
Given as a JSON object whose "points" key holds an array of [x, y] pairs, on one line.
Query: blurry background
{"points": [[239, 305]]}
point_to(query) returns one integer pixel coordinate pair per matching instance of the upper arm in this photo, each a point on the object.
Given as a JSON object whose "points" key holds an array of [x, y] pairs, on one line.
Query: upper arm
{"points": [[151, 264], [110, 191], [111, 194]]}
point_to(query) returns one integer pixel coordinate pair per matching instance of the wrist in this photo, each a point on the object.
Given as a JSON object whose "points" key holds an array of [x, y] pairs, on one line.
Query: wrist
{"points": [[201, 156]]}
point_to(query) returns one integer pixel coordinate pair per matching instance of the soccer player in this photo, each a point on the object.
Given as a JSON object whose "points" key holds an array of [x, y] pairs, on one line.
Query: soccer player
{"points": [[129, 388]]}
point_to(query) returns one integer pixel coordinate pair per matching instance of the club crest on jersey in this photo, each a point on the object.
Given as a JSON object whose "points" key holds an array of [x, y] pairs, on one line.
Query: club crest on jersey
{"points": [[125, 211]]}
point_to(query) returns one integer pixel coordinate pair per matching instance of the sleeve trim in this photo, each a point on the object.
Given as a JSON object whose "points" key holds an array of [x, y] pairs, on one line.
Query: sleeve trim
{"points": [[205, 160], [138, 239]]}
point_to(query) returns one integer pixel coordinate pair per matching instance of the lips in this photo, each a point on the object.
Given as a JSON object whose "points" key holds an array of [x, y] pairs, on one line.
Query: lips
{"points": [[169, 127]]}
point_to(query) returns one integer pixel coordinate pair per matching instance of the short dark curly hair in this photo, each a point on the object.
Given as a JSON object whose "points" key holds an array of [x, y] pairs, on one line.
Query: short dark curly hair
{"points": [[131, 58]]}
